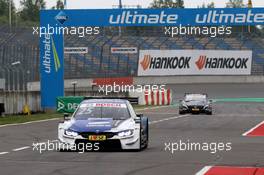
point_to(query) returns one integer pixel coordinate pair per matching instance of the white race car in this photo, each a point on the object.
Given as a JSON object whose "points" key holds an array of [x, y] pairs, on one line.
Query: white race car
{"points": [[99, 124]]}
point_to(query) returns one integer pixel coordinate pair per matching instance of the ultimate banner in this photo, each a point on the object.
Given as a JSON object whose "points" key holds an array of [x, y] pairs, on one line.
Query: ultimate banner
{"points": [[157, 17]]}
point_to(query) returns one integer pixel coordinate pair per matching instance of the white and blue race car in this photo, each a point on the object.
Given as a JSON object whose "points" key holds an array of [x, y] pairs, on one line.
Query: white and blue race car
{"points": [[105, 124]]}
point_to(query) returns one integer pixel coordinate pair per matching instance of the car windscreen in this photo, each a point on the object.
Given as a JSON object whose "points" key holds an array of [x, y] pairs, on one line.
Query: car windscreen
{"points": [[116, 111], [195, 98]]}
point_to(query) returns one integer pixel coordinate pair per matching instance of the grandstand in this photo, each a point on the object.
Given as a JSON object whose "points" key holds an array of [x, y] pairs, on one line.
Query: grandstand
{"points": [[100, 62], [21, 45]]}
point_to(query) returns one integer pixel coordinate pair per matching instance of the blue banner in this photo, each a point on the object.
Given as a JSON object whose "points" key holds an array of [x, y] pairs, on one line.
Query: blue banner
{"points": [[156, 17], [51, 68]]}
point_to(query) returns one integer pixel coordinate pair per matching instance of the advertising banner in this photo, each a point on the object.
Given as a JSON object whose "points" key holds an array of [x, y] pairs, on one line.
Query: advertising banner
{"points": [[72, 50], [51, 66], [52, 69], [68, 104], [124, 50], [158, 17], [194, 62]]}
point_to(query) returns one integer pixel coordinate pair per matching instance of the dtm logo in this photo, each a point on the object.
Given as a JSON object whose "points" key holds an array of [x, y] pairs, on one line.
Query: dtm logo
{"points": [[205, 62], [61, 17], [145, 62], [200, 62]]}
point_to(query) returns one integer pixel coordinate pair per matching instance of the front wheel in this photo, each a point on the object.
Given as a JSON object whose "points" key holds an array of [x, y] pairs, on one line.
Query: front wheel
{"points": [[144, 133], [209, 113], [181, 112]]}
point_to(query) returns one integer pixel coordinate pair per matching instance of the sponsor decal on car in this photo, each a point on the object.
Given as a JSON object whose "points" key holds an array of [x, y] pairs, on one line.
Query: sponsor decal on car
{"points": [[109, 105]]}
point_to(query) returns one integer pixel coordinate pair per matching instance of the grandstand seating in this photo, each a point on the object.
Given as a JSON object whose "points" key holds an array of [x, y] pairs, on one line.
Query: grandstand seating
{"points": [[19, 45], [124, 64]]}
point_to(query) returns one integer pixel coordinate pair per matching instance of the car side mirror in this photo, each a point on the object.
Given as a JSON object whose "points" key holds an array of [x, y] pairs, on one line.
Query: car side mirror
{"points": [[66, 116], [138, 118]]}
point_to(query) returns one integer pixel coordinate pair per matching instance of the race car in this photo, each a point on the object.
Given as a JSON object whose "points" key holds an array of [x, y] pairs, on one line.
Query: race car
{"points": [[195, 104], [105, 124]]}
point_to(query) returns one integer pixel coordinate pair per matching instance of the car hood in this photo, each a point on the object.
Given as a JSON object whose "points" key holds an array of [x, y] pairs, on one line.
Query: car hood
{"points": [[93, 125]]}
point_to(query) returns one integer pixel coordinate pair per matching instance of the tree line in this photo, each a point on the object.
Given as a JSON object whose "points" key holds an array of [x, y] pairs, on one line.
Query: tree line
{"points": [[28, 12]]}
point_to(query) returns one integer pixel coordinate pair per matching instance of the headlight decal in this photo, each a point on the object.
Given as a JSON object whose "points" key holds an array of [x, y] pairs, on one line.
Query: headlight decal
{"points": [[126, 133], [70, 133]]}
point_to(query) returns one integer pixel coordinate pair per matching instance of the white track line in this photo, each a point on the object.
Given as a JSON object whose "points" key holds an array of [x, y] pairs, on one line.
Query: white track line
{"points": [[252, 129], [2, 153], [170, 118], [39, 121], [157, 107], [157, 113], [204, 170], [21, 148]]}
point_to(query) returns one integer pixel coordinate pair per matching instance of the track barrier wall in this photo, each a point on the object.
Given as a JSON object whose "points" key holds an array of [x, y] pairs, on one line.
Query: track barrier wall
{"points": [[157, 98]]}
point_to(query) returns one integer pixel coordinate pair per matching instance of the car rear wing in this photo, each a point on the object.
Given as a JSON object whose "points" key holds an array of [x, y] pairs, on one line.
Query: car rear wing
{"points": [[132, 100]]}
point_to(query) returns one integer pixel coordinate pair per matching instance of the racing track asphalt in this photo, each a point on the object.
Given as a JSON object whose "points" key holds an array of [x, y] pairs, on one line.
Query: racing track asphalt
{"points": [[227, 124]]}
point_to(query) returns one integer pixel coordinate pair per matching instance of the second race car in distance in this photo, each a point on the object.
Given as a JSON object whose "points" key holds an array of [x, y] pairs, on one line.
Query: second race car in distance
{"points": [[195, 104]]}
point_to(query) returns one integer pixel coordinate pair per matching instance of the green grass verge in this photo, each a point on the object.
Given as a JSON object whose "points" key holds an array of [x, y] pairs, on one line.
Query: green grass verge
{"points": [[256, 100], [12, 119]]}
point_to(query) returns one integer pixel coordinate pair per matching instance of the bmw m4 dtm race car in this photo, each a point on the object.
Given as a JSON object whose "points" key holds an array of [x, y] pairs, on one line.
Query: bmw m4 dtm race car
{"points": [[105, 124], [195, 103]]}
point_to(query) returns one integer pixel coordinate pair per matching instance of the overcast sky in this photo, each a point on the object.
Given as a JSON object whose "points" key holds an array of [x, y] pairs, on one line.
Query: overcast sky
{"points": [[99, 4]]}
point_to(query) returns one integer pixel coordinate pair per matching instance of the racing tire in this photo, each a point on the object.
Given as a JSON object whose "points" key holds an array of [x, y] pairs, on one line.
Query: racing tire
{"points": [[181, 112], [209, 113], [144, 133]]}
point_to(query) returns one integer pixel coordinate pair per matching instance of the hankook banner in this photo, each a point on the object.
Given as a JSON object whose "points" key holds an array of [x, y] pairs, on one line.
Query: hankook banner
{"points": [[194, 62]]}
